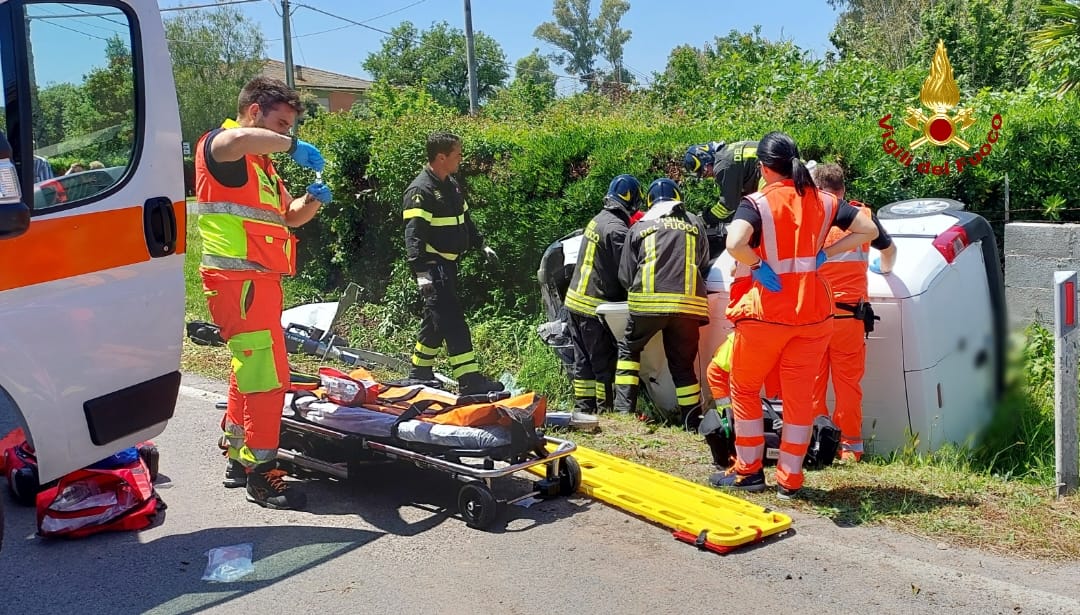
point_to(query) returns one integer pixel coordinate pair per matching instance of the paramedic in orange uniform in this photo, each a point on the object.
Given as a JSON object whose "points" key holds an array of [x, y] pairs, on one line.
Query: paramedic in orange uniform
{"points": [[845, 358], [245, 214], [785, 317]]}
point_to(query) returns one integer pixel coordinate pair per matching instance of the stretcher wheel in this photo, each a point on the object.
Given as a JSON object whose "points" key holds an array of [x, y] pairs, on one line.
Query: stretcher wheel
{"points": [[569, 475], [477, 505]]}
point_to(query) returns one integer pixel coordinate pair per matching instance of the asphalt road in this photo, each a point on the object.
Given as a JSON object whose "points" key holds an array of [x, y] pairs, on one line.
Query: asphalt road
{"points": [[391, 542]]}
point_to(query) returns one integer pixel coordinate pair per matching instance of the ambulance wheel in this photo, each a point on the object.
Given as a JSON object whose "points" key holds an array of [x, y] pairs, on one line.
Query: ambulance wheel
{"points": [[477, 505], [569, 476], [917, 208]]}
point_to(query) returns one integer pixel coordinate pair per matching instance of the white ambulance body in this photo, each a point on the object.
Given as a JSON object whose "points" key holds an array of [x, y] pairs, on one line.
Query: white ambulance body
{"points": [[91, 281], [934, 364]]}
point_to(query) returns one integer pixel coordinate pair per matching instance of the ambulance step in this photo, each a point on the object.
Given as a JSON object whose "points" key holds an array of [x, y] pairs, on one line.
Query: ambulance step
{"points": [[700, 515]]}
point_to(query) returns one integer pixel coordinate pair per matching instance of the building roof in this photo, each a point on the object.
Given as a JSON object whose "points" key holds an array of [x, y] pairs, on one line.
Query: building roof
{"points": [[315, 79]]}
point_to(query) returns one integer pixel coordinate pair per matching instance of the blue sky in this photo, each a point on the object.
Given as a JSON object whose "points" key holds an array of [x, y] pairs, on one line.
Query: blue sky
{"points": [[657, 26]]}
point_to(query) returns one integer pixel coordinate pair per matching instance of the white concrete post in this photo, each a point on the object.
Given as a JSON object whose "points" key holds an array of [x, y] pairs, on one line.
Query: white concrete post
{"points": [[1066, 386]]}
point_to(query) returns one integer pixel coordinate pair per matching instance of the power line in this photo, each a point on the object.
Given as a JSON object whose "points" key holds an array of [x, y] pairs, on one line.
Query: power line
{"points": [[204, 6], [504, 64], [102, 16]]}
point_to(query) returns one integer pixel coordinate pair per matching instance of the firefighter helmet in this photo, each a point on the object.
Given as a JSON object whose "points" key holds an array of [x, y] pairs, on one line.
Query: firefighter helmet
{"points": [[697, 158], [625, 191], [663, 189]]}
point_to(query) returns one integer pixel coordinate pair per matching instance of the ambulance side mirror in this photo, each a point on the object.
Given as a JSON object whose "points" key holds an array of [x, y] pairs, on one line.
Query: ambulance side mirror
{"points": [[14, 214]]}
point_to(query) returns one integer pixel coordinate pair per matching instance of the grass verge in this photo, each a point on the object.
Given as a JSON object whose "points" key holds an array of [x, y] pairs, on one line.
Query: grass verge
{"points": [[998, 497]]}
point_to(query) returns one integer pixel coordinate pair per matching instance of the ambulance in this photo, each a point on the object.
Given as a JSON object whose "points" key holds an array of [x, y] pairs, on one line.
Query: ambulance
{"points": [[91, 286], [935, 361]]}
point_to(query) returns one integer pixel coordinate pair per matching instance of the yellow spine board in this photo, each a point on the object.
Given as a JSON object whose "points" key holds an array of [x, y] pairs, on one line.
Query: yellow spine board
{"points": [[687, 508]]}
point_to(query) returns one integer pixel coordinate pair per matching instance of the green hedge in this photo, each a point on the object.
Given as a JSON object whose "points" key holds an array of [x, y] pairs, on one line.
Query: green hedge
{"points": [[531, 180]]}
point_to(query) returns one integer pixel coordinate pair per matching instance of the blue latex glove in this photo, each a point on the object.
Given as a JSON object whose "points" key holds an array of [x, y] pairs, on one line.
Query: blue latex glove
{"points": [[321, 192], [875, 266], [821, 258], [307, 155], [765, 276]]}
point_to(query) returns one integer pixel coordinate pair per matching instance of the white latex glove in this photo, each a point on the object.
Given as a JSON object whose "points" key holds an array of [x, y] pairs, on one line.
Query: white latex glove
{"points": [[490, 255]]}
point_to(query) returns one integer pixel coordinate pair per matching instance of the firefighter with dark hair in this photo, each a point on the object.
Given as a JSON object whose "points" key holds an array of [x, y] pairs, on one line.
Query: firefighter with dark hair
{"points": [[596, 281], [733, 166], [663, 267], [438, 230]]}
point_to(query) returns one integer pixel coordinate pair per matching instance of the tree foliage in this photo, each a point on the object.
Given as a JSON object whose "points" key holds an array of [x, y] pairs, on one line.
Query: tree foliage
{"points": [[986, 39], [214, 54], [583, 39], [437, 58], [1057, 43]]}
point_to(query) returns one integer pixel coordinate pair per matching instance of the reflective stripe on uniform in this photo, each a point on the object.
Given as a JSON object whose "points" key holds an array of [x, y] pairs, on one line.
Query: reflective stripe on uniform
{"points": [[690, 258], [631, 379], [851, 256], [242, 211], [688, 395], [447, 255], [630, 366], [648, 268], [447, 221], [416, 212], [230, 263], [423, 348]]}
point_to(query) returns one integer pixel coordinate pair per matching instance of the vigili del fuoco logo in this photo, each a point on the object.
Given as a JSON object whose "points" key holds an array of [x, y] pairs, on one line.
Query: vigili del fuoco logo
{"points": [[943, 125]]}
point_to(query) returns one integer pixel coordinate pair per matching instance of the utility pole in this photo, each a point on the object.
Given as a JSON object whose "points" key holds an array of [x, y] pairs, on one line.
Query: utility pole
{"points": [[287, 33], [470, 54]]}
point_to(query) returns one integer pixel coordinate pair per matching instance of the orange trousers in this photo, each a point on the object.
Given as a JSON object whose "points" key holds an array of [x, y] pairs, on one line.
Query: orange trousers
{"points": [[719, 381], [247, 306], [845, 361], [759, 348]]}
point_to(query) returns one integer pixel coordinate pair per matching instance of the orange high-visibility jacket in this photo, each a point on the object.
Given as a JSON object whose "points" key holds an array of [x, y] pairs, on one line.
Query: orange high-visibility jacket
{"points": [[793, 231], [243, 228], [846, 272]]}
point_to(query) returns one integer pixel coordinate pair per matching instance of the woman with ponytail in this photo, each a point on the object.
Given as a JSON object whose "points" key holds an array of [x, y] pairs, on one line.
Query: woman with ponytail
{"points": [[784, 318]]}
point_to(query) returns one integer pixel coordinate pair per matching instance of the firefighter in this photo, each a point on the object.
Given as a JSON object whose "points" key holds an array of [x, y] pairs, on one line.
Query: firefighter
{"points": [[785, 316], [596, 281], [663, 267], [845, 358], [438, 230], [245, 214], [732, 165]]}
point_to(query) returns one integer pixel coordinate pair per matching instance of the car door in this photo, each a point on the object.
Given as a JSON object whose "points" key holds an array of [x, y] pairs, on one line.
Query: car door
{"points": [[92, 293]]}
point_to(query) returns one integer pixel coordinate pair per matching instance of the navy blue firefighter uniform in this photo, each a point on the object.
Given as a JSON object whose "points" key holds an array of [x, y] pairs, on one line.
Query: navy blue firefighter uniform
{"points": [[663, 267], [438, 230], [596, 281]]}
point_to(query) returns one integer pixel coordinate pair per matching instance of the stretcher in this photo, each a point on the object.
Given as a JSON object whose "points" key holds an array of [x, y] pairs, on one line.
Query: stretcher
{"points": [[476, 440], [707, 518]]}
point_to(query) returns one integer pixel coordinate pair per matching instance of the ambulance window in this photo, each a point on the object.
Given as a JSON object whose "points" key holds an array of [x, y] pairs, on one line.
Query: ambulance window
{"points": [[83, 100]]}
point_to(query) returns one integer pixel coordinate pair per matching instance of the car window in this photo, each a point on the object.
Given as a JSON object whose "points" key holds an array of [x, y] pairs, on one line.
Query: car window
{"points": [[83, 102]]}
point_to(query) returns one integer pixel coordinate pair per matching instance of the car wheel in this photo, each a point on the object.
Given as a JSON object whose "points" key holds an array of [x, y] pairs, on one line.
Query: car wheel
{"points": [[917, 208]]}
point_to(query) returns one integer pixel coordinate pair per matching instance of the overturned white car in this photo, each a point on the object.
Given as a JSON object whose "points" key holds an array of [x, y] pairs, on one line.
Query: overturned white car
{"points": [[935, 361]]}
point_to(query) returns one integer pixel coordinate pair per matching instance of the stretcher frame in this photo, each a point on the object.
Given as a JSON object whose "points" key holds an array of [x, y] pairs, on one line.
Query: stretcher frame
{"points": [[476, 500]]}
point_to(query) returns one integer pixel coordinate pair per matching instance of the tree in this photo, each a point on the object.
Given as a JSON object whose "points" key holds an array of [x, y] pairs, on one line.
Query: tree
{"points": [[612, 38], [582, 39], [214, 54], [985, 38], [534, 71], [1057, 43], [437, 58]]}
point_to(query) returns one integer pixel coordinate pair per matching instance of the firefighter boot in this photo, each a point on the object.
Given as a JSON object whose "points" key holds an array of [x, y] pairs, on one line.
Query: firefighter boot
{"points": [[266, 487], [475, 383], [421, 374]]}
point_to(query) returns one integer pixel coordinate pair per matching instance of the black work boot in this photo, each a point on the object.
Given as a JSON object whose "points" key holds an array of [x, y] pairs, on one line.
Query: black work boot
{"points": [[476, 383], [235, 475], [421, 373], [266, 487]]}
